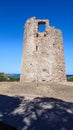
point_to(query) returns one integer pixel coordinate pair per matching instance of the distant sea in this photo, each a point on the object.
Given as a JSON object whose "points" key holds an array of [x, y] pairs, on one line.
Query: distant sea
{"points": [[69, 75], [14, 75], [18, 75]]}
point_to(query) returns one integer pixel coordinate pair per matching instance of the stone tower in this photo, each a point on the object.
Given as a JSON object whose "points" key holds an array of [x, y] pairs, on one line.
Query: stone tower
{"points": [[43, 56]]}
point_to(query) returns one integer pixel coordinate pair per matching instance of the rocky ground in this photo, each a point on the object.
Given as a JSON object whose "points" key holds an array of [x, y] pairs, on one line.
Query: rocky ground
{"points": [[36, 106]]}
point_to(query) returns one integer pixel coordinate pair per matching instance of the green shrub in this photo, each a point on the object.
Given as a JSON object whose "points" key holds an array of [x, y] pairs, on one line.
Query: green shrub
{"points": [[3, 77], [14, 78], [70, 79]]}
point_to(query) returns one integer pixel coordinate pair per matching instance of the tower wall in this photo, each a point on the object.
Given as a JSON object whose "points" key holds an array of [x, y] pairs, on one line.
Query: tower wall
{"points": [[43, 55]]}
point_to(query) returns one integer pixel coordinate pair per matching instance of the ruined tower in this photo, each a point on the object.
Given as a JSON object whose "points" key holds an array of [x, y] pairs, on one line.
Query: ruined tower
{"points": [[43, 56]]}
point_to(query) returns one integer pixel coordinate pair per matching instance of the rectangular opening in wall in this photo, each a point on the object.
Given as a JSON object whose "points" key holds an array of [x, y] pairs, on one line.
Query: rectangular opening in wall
{"points": [[36, 48], [42, 27]]}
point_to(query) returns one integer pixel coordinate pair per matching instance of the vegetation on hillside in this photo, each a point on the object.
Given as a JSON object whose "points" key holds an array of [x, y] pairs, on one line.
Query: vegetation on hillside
{"points": [[4, 77], [70, 79]]}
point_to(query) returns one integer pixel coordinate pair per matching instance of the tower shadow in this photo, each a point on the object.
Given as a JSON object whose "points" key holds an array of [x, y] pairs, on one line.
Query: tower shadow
{"points": [[40, 113]]}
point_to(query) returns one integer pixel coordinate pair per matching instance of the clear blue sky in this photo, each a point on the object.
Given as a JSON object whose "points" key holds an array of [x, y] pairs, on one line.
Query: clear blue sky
{"points": [[13, 15]]}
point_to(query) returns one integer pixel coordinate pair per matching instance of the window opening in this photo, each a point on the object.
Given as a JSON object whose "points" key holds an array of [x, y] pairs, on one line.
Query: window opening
{"points": [[36, 48], [41, 27]]}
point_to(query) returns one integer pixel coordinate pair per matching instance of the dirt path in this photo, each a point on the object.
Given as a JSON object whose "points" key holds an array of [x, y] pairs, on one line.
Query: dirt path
{"points": [[36, 106], [62, 91]]}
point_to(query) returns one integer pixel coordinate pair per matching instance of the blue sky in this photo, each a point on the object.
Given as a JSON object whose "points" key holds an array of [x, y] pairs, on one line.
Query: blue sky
{"points": [[13, 15]]}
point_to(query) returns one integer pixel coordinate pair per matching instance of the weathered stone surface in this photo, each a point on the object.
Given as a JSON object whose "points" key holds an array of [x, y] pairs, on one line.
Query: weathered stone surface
{"points": [[43, 56]]}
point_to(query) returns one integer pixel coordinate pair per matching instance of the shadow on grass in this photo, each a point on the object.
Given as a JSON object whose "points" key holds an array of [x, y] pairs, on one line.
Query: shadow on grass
{"points": [[35, 114]]}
